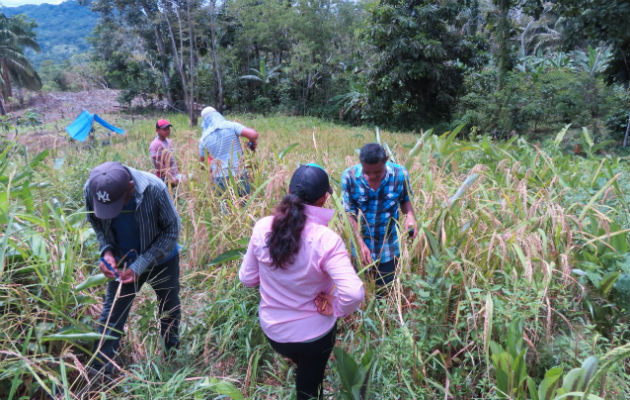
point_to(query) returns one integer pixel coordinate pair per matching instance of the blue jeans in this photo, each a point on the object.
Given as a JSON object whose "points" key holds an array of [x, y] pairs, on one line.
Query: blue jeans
{"points": [[242, 185], [164, 279]]}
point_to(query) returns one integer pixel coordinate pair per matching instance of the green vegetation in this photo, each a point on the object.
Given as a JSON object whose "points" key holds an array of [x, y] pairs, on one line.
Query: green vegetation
{"points": [[517, 286], [62, 30]]}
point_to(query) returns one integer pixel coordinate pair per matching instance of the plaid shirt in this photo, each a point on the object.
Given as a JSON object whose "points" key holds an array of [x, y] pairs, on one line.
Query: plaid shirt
{"points": [[377, 210], [157, 219]]}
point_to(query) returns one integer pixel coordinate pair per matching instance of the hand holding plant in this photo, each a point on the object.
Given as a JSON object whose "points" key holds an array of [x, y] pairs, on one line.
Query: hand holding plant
{"points": [[126, 275], [107, 265], [323, 302]]}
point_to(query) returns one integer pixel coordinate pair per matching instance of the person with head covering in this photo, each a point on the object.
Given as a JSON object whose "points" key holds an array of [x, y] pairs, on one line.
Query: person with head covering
{"points": [[220, 140], [305, 277], [161, 151], [373, 192], [136, 225]]}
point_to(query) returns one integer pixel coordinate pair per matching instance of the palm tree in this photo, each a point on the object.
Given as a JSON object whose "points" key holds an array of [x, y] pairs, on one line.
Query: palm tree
{"points": [[16, 34]]}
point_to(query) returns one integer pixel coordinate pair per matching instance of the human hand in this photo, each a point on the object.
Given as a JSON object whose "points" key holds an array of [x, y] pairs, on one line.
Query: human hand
{"points": [[365, 254], [410, 226], [126, 275], [323, 302], [108, 271], [252, 145]]}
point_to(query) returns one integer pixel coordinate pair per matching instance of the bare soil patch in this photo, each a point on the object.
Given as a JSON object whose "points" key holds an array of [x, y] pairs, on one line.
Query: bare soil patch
{"points": [[57, 110]]}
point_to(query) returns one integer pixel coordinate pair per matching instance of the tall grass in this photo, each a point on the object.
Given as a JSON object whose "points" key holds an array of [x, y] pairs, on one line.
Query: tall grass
{"points": [[508, 231]]}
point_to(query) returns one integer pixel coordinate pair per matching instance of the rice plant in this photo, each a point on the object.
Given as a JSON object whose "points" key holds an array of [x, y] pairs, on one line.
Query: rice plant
{"points": [[509, 231]]}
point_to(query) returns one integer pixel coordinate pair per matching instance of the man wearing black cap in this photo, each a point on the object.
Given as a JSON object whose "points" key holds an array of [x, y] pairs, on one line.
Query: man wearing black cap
{"points": [[136, 225]]}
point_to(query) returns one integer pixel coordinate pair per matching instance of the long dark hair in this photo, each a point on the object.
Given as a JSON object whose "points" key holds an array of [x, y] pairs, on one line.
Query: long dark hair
{"points": [[284, 239]]}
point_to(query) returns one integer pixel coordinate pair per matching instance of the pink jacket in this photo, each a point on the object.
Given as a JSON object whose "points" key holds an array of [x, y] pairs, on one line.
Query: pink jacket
{"points": [[287, 309]]}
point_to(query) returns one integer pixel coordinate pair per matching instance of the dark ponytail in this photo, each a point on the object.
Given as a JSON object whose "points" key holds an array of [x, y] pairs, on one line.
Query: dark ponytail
{"points": [[284, 239]]}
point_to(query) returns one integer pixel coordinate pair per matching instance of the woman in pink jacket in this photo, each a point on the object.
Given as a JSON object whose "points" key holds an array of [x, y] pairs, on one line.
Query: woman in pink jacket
{"points": [[305, 276]]}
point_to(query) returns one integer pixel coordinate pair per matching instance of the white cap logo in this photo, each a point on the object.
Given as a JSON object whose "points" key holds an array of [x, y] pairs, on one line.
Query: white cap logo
{"points": [[103, 196]]}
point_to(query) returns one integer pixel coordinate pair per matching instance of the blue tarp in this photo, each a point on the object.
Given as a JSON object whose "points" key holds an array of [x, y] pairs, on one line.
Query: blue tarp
{"points": [[80, 128]]}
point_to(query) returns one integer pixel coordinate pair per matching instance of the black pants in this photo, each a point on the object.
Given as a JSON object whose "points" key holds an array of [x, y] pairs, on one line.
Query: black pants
{"points": [[384, 272], [164, 279], [311, 359]]}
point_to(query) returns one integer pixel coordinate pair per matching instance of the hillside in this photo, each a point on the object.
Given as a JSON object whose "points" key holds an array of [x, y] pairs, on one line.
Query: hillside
{"points": [[62, 29]]}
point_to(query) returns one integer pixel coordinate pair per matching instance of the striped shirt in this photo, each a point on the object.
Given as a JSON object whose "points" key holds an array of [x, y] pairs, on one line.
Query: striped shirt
{"points": [[377, 210], [161, 152], [156, 218], [220, 138]]}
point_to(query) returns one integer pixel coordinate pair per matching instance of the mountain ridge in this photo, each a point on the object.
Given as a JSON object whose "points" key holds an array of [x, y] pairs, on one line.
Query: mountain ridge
{"points": [[62, 29]]}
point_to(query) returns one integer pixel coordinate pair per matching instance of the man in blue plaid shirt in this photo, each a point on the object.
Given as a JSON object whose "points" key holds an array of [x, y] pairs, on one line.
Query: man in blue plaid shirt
{"points": [[373, 191]]}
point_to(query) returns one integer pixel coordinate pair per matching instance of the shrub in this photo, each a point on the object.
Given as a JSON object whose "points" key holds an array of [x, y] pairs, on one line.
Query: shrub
{"points": [[532, 102]]}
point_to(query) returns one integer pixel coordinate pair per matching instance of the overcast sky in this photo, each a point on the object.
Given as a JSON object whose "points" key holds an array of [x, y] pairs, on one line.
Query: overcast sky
{"points": [[13, 3]]}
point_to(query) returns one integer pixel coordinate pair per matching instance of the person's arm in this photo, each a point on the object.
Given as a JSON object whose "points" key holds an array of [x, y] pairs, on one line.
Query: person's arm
{"points": [[251, 135], [202, 152], [349, 287], [364, 251], [406, 207], [352, 209], [410, 218], [248, 274], [168, 225]]}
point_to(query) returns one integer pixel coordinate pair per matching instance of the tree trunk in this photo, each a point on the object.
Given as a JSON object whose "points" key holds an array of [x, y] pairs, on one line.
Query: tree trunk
{"points": [[215, 57], [192, 112], [7, 90], [503, 52], [179, 65], [625, 138], [163, 65]]}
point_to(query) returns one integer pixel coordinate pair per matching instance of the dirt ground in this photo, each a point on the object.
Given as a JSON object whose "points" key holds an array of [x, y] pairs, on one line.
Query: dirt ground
{"points": [[57, 110]]}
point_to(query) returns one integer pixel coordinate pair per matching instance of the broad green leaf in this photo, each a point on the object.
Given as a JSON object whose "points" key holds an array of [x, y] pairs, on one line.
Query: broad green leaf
{"points": [[549, 384], [590, 366], [222, 387], [573, 380], [94, 280], [230, 255], [608, 281]]}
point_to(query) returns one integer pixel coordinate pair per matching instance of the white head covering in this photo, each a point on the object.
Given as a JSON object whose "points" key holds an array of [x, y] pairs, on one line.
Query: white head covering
{"points": [[211, 121], [206, 111]]}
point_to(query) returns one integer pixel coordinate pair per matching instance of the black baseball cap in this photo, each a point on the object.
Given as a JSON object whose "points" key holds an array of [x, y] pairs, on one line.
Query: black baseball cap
{"points": [[108, 184], [310, 182]]}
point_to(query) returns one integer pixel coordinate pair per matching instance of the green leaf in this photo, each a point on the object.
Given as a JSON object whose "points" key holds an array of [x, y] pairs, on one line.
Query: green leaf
{"points": [[560, 135], [573, 380], [230, 255], [587, 138], [590, 366], [94, 280], [222, 387], [549, 384], [71, 335], [531, 387], [286, 150], [608, 281]]}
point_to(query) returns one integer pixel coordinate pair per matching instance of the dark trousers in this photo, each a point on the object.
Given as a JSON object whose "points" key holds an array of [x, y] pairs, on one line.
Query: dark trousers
{"points": [[164, 279], [311, 359], [242, 185], [384, 272]]}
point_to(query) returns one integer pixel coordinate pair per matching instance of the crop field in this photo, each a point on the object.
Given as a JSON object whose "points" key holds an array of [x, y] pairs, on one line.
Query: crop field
{"points": [[517, 285]]}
